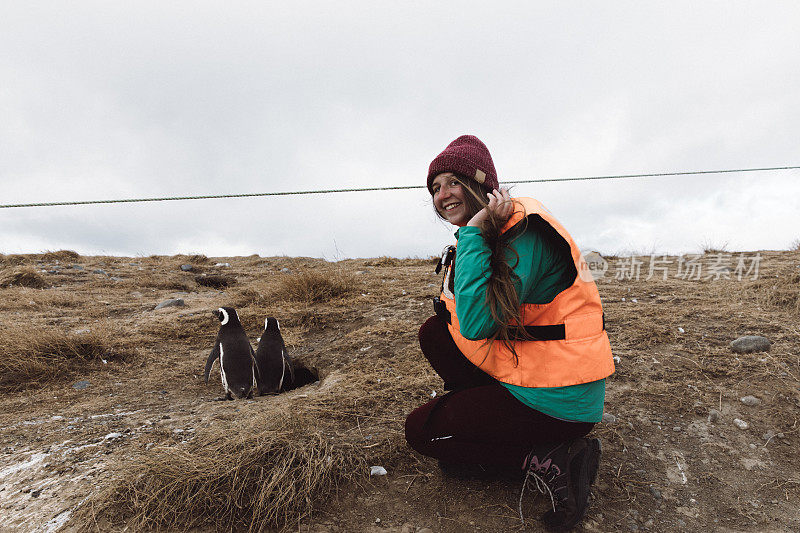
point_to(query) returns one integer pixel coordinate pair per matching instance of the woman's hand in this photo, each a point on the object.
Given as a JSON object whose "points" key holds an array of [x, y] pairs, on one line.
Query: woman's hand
{"points": [[500, 206]]}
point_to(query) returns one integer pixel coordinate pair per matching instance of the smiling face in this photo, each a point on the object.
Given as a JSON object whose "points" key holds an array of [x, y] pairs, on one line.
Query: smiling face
{"points": [[449, 199]]}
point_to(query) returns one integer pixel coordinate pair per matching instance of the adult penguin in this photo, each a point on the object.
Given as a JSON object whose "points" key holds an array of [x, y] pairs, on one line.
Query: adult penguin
{"points": [[235, 354], [275, 369]]}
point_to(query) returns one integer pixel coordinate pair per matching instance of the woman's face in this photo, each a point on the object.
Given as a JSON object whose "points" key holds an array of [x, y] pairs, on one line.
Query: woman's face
{"points": [[448, 199]]}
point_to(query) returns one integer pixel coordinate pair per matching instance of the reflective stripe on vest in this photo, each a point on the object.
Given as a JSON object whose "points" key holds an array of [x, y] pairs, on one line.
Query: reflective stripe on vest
{"points": [[584, 353]]}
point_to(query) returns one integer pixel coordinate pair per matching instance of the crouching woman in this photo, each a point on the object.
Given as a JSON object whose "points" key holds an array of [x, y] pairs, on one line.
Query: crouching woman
{"points": [[518, 338]]}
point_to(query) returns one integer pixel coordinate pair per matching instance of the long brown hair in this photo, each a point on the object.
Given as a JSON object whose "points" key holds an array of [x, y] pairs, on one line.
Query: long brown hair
{"points": [[501, 294]]}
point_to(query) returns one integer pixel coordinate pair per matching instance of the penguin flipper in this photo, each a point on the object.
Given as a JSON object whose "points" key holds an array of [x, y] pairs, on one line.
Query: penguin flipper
{"points": [[213, 356]]}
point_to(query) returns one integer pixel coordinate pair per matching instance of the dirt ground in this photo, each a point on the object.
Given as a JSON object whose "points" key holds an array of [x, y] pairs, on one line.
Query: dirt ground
{"points": [[674, 458]]}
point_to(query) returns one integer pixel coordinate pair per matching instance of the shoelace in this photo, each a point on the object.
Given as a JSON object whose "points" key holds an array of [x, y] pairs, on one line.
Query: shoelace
{"points": [[541, 486]]}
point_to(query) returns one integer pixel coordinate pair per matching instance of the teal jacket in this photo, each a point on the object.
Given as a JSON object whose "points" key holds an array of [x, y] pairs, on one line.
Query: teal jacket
{"points": [[542, 275]]}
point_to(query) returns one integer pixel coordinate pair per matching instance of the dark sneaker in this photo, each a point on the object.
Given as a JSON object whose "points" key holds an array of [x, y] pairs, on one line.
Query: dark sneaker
{"points": [[563, 474], [575, 499]]}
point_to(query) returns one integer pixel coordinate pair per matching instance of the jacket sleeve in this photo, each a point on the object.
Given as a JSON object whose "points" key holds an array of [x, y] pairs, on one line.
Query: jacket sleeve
{"points": [[472, 273]]}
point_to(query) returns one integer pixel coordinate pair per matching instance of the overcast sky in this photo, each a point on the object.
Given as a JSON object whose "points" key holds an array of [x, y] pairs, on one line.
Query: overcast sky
{"points": [[102, 100]]}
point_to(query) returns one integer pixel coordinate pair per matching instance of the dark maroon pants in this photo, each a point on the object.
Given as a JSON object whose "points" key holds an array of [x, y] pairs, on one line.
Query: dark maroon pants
{"points": [[478, 421]]}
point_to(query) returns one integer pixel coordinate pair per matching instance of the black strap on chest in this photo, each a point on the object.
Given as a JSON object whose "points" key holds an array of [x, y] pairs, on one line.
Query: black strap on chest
{"points": [[554, 332]]}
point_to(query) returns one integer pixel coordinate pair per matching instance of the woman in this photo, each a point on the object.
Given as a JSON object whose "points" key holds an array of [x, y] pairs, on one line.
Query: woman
{"points": [[520, 397]]}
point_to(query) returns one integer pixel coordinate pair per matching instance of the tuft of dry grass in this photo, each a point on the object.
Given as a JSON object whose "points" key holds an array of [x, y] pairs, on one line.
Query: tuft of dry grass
{"points": [[32, 356], [266, 475], [24, 277], [781, 291], [60, 255], [795, 246], [315, 286]]}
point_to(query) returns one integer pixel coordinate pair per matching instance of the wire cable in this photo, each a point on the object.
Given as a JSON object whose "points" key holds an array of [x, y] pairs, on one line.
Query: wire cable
{"points": [[390, 188]]}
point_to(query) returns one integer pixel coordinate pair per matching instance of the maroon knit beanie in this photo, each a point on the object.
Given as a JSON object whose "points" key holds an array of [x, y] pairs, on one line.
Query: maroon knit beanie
{"points": [[468, 157]]}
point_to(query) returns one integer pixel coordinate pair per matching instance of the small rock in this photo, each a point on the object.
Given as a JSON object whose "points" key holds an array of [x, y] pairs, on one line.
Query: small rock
{"points": [[115, 278], [285, 270], [99, 271], [681, 523], [676, 429], [608, 418], [187, 268], [377, 471], [77, 267], [655, 492], [112, 436], [377, 520], [649, 523], [361, 271], [36, 493], [56, 418], [681, 330], [80, 385], [750, 400], [741, 424], [617, 359], [750, 344], [634, 300], [172, 302], [425, 530], [714, 416], [225, 265]]}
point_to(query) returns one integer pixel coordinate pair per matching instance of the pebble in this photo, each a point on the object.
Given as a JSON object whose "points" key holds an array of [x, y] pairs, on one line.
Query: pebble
{"points": [[750, 344], [77, 267], [425, 530], [608, 418], [172, 302], [285, 270], [187, 268], [714, 416], [80, 385], [649, 523], [361, 272], [741, 424], [681, 330], [222, 265], [115, 278], [99, 271], [676, 429], [750, 400], [681, 523], [617, 359], [655, 492], [377, 471]]}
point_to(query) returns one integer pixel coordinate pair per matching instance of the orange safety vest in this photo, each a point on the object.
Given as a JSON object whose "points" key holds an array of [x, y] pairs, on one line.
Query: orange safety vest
{"points": [[579, 352]]}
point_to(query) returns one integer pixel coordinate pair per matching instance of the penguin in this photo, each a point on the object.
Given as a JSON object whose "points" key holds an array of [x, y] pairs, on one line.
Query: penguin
{"points": [[236, 359], [275, 368], [275, 371]]}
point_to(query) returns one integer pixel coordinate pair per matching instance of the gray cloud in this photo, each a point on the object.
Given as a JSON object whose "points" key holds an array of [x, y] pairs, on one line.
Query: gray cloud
{"points": [[107, 101]]}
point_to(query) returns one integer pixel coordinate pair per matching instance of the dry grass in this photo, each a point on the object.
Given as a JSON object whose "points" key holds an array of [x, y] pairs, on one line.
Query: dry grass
{"points": [[60, 255], [781, 290], [32, 356], [242, 478], [316, 286], [23, 277], [795, 246]]}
